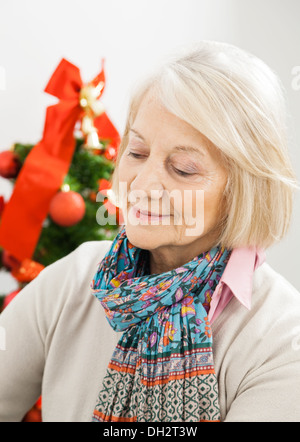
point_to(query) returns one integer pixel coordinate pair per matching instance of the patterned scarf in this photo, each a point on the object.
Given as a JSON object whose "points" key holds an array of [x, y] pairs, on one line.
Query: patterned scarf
{"points": [[162, 368]]}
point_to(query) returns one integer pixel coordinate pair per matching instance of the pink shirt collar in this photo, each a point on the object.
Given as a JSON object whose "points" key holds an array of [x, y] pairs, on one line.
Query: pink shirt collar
{"points": [[238, 273]]}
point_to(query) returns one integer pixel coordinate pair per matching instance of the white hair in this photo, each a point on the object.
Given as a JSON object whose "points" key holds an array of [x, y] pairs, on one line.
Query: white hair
{"points": [[238, 103]]}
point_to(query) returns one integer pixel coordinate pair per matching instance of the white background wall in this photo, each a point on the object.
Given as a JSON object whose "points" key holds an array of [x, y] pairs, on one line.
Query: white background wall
{"points": [[132, 35]]}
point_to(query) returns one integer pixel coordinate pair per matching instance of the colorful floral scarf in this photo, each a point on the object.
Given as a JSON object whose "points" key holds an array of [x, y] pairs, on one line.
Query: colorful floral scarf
{"points": [[162, 368]]}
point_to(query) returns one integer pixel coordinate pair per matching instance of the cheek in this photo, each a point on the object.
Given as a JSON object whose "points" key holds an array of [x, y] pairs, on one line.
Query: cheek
{"points": [[125, 172], [210, 204], [213, 204], [202, 207], [124, 180], [193, 203]]}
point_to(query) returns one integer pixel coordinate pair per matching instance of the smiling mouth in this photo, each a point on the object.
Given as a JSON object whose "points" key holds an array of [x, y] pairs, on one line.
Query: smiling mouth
{"points": [[145, 214], [151, 214]]}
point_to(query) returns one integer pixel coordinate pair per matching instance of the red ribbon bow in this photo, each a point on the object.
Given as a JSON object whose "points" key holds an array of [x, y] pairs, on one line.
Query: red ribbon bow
{"points": [[48, 162]]}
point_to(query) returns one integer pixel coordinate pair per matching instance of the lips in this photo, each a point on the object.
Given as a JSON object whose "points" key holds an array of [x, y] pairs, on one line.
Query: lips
{"points": [[145, 213], [150, 214]]}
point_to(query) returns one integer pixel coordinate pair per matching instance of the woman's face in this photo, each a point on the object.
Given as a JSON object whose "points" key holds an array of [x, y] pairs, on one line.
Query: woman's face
{"points": [[171, 170]]}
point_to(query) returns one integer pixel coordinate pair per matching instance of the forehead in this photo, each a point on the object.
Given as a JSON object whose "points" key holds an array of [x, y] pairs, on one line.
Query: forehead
{"points": [[152, 109], [178, 148], [153, 121]]}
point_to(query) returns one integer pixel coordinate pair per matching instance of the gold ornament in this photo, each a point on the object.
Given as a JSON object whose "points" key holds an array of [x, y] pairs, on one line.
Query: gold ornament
{"points": [[89, 95], [88, 99], [87, 125], [65, 188], [92, 141]]}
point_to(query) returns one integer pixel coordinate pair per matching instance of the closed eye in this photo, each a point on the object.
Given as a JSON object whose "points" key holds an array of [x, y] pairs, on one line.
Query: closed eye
{"points": [[135, 155], [179, 172], [182, 173]]}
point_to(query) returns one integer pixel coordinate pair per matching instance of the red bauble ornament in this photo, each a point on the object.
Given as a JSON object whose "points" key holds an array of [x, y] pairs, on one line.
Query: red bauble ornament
{"points": [[110, 153], [27, 270], [9, 298], [67, 208], [9, 164]]}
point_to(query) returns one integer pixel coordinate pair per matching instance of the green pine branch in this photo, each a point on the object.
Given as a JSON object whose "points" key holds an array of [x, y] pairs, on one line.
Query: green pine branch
{"points": [[86, 169]]}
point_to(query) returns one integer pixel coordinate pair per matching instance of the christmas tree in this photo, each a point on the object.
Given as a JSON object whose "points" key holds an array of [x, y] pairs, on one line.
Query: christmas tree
{"points": [[72, 212], [67, 174]]}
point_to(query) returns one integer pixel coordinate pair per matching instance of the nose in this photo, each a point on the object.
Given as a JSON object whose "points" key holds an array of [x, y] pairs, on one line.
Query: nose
{"points": [[149, 180]]}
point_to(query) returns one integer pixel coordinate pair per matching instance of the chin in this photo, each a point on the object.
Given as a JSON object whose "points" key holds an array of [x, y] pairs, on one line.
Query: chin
{"points": [[145, 236]]}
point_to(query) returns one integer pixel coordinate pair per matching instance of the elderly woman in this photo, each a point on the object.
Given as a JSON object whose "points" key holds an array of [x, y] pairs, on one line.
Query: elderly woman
{"points": [[188, 321]]}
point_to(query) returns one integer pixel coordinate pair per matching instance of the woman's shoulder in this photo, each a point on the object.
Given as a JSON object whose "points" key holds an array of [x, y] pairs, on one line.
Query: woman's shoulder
{"points": [[274, 310], [63, 282], [82, 260], [275, 301], [269, 283], [88, 253], [74, 272], [91, 248], [258, 351]]}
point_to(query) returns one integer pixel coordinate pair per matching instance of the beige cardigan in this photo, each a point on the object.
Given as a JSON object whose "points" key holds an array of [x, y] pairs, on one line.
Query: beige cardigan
{"points": [[58, 343]]}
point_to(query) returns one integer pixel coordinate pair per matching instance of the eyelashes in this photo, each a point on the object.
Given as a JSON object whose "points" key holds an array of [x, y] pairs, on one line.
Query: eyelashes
{"points": [[182, 173], [135, 155]]}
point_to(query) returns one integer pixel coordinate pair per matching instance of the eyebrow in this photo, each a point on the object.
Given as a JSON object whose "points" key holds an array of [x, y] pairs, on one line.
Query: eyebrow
{"points": [[177, 148]]}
